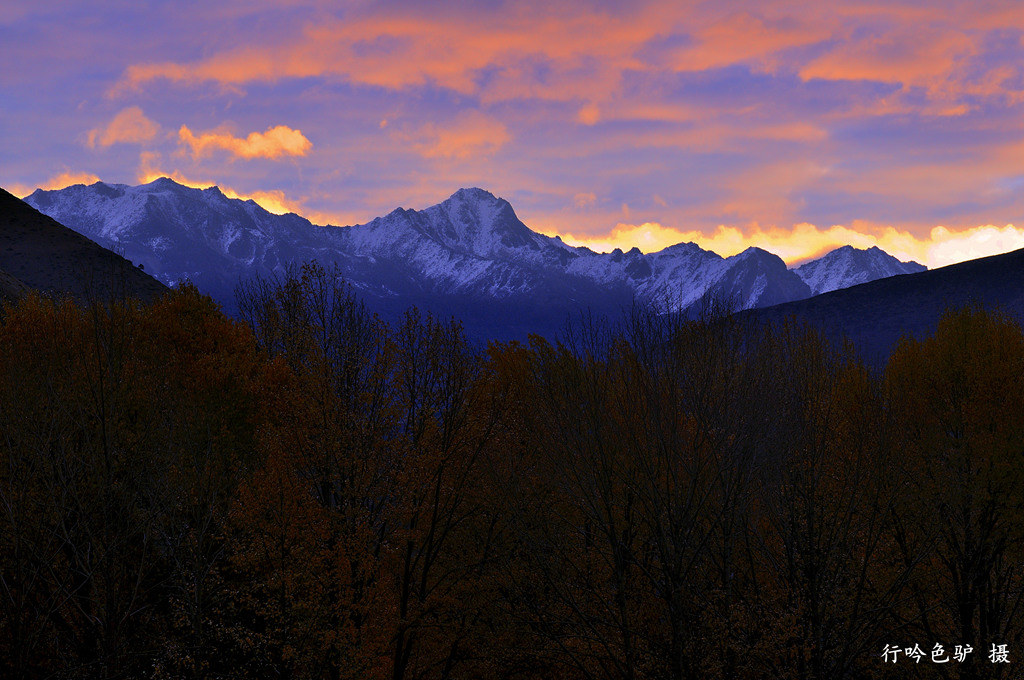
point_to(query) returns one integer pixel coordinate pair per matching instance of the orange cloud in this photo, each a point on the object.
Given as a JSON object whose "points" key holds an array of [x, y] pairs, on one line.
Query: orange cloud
{"points": [[128, 126], [472, 133], [582, 53], [275, 142], [909, 57], [584, 199], [589, 114], [745, 38], [66, 179]]}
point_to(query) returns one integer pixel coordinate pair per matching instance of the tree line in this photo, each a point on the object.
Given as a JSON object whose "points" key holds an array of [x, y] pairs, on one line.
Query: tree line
{"points": [[309, 492]]}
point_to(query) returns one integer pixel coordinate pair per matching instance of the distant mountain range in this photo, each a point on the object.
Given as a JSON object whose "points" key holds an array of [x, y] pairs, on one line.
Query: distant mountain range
{"points": [[468, 256]]}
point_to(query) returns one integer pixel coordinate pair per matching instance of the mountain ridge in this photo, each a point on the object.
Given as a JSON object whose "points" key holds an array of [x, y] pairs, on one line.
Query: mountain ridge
{"points": [[466, 251], [848, 266]]}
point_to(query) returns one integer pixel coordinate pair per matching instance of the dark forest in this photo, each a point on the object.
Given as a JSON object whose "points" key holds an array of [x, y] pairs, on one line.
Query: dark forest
{"points": [[309, 492]]}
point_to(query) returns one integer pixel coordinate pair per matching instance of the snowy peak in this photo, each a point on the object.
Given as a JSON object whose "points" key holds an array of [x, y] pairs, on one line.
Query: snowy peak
{"points": [[162, 184], [469, 231], [848, 266], [107, 210], [480, 222], [759, 255]]}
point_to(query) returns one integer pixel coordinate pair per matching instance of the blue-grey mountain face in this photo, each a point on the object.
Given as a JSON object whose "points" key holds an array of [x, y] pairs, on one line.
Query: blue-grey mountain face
{"points": [[178, 233], [469, 256], [848, 266]]}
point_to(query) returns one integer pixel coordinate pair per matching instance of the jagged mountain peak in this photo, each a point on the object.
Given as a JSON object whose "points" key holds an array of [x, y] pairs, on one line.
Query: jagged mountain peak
{"points": [[473, 194], [687, 251], [163, 182], [756, 278], [478, 217], [478, 202], [848, 266], [755, 253], [168, 185], [471, 222], [617, 255]]}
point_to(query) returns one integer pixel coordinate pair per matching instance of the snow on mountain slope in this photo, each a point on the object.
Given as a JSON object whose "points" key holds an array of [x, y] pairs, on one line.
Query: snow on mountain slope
{"points": [[849, 266], [675, 278], [471, 243], [471, 246], [758, 278], [177, 232], [474, 241]]}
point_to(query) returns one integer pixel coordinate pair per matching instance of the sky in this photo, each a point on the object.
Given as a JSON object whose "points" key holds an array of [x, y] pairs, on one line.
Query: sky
{"points": [[792, 125]]}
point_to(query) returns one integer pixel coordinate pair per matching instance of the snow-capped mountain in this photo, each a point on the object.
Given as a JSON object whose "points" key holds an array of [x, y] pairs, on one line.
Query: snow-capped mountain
{"points": [[848, 266], [469, 255], [472, 243], [176, 232]]}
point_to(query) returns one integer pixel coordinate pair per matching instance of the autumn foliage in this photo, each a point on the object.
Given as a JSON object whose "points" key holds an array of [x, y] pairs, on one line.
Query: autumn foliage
{"points": [[309, 492]]}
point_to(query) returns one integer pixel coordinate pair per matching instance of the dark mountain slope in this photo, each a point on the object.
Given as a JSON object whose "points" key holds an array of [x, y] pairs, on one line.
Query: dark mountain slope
{"points": [[41, 253], [875, 315], [11, 288]]}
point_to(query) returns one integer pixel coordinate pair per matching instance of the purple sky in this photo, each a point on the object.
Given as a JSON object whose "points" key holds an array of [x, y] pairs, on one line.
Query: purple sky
{"points": [[793, 125]]}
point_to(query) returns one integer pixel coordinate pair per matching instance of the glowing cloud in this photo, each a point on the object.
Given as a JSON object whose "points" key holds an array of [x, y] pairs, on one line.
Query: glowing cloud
{"points": [[648, 237], [745, 38], [472, 133], [583, 50], [584, 199], [589, 114], [128, 126], [66, 179], [949, 247], [909, 57], [449, 48], [275, 142]]}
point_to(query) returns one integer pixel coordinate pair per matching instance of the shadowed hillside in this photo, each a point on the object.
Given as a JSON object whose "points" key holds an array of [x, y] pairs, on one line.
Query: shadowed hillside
{"points": [[11, 288], [38, 252], [877, 314]]}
